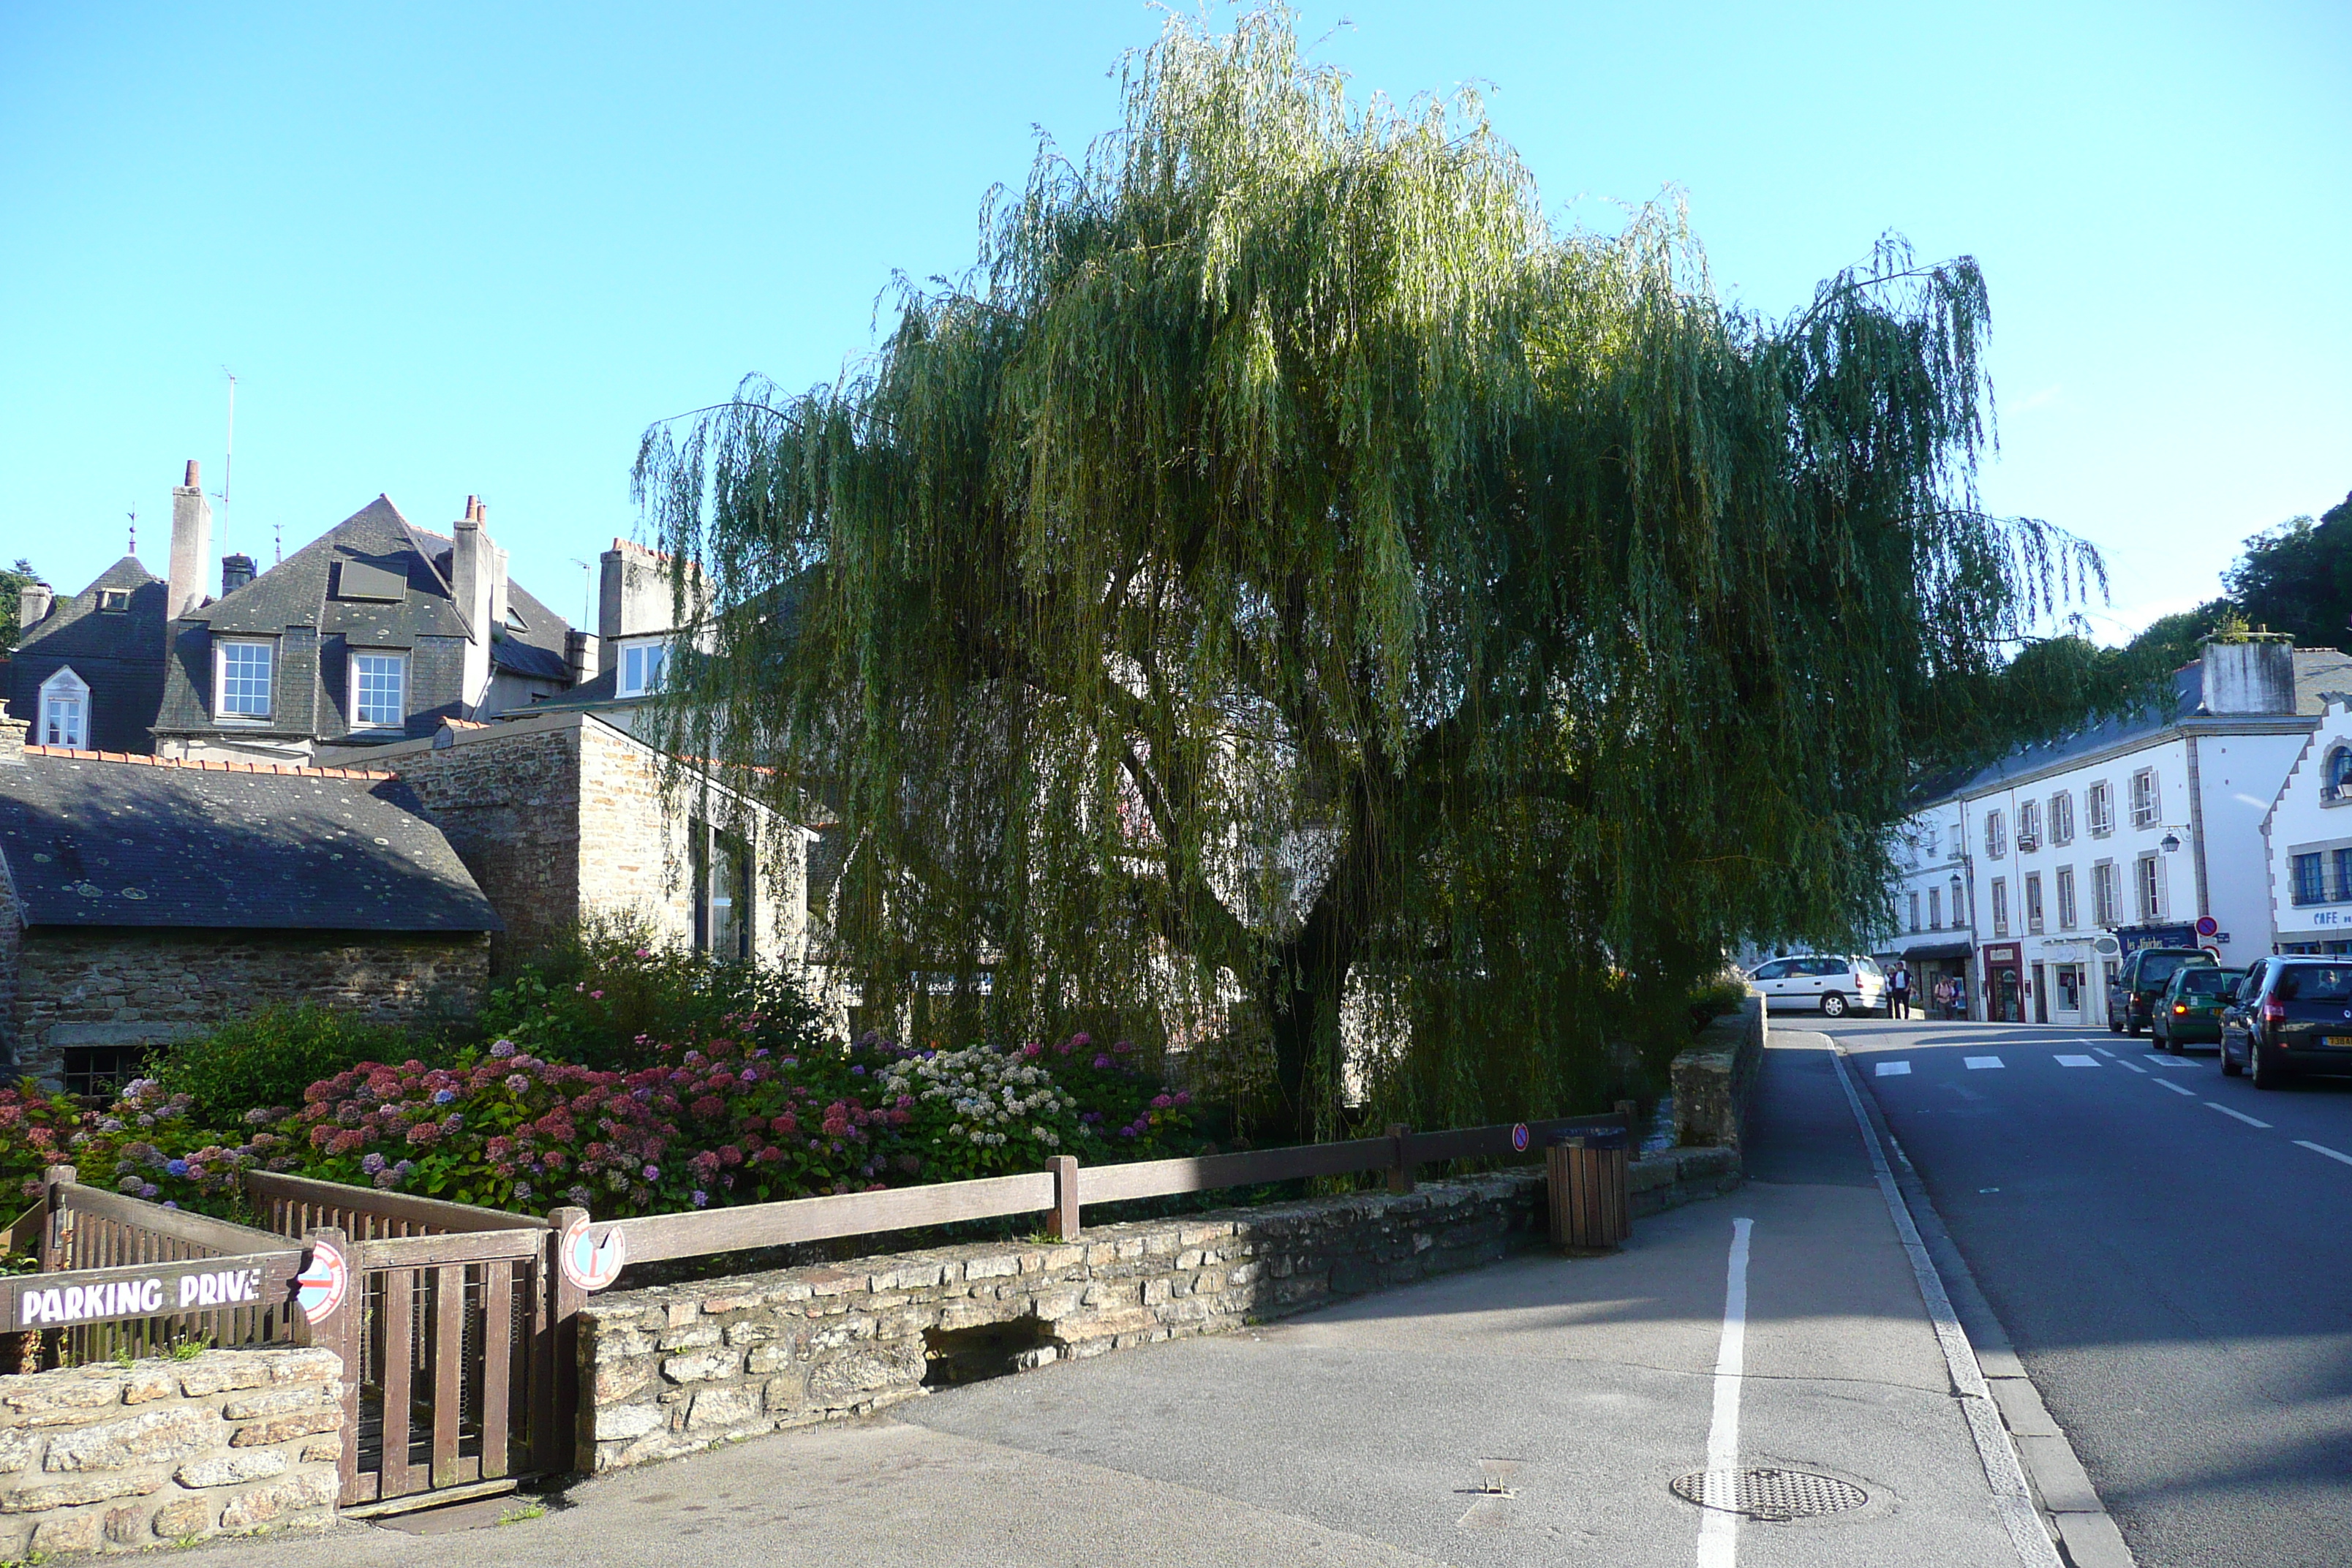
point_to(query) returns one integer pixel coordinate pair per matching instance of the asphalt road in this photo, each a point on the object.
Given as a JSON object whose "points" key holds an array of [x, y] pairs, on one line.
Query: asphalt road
{"points": [[2167, 1249]]}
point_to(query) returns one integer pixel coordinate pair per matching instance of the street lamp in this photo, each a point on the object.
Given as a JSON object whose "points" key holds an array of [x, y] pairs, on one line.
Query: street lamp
{"points": [[2170, 843]]}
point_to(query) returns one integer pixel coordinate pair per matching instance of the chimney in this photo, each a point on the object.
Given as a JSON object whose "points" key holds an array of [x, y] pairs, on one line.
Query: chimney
{"points": [[498, 565], [11, 741], [33, 602], [192, 546], [2252, 677], [471, 567], [580, 653], [236, 571]]}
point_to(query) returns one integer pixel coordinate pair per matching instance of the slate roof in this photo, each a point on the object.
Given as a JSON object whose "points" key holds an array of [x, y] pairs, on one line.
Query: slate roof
{"points": [[89, 841], [118, 654], [301, 591], [2318, 672]]}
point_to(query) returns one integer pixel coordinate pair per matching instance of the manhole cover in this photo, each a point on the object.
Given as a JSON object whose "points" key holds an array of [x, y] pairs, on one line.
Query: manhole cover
{"points": [[1776, 1495]]}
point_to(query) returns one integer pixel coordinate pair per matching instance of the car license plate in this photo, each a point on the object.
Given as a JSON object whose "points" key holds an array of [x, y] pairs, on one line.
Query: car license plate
{"points": [[2341, 1042]]}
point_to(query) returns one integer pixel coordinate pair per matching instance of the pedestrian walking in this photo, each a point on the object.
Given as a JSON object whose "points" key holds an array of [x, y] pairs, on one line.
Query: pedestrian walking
{"points": [[1898, 991]]}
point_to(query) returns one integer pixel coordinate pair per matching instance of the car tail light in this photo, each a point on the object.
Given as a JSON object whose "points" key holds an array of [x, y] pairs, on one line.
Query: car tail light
{"points": [[2274, 1012], [2180, 1007]]}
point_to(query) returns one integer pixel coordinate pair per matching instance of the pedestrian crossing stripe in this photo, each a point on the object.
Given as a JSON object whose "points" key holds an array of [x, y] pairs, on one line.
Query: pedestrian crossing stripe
{"points": [[1893, 1069], [1978, 1062], [2078, 1061]]}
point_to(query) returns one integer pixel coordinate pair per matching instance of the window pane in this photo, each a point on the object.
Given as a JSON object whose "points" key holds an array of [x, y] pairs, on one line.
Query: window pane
{"points": [[245, 679], [376, 695]]}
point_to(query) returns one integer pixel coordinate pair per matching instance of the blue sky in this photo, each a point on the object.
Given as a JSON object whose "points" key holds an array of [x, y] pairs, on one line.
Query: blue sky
{"points": [[452, 250]]}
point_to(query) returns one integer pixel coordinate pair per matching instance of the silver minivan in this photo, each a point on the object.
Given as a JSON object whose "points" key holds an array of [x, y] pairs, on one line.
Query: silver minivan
{"points": [[1833, 983]]}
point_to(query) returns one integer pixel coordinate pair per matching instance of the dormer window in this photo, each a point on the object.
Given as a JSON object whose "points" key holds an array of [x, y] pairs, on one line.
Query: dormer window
{"points": [[641, 668], [2337, 779], [115, 600], [242, 679], [514, 620], [379, 690], [65, 711]]}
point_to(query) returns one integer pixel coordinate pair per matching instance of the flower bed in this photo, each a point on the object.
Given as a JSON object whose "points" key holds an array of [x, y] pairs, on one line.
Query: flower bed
{"points": [[722, 1121]]}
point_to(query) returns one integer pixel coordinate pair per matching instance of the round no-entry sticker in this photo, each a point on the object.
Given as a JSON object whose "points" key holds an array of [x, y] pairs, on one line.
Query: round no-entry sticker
{"points": [[1519, 1137], [589, 1261], [319, 1288]]}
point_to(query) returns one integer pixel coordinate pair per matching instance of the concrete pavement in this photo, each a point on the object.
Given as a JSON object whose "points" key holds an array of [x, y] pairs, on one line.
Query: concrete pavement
{"points": [[1371, 1433]]}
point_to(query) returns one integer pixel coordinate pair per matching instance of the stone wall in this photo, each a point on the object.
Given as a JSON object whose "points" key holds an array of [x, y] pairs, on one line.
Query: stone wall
{"points": [[113, 985], [1713, 1079], [508, 803], [673, 1369], [109, 1459], [562, 815]]}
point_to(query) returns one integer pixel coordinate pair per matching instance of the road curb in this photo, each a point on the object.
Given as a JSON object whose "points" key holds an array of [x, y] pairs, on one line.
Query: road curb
{"points": [[2069, 1504]]}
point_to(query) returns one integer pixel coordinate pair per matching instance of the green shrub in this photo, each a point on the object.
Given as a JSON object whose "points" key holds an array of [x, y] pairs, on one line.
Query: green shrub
{"points": [[1711, 999], [270, 1058], [603, 998]]}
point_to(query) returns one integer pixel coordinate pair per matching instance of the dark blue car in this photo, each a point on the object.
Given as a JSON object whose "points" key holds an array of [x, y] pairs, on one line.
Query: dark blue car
{"points": [[2291, 1015]]}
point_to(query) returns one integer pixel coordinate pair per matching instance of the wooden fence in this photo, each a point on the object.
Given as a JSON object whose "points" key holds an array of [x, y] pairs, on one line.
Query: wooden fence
{"points": [[1061, 1192]]}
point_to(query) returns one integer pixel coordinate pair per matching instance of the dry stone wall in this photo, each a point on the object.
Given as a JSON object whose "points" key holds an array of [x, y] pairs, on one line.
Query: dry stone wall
{"points": [[113, 1459]]}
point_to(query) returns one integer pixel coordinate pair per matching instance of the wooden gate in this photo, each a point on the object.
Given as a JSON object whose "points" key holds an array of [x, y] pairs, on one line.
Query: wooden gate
{"points": [[456, 1331]]}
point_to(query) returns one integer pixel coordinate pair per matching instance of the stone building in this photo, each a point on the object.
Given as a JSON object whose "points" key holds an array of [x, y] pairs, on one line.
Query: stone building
{"points": [[144, 899], [88, 669], [561, 816]]}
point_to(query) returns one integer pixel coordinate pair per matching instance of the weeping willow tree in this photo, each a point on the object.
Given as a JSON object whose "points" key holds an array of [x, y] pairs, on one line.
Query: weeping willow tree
{"points": [[1289, 579]]}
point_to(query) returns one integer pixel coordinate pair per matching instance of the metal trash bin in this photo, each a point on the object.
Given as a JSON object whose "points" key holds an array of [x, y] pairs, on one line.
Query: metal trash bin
{"points": [[1585, 1191]]}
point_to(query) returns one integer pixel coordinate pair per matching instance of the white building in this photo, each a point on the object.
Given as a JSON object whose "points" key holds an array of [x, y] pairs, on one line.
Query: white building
{"points": [[2137, 830], [2310, 834]]}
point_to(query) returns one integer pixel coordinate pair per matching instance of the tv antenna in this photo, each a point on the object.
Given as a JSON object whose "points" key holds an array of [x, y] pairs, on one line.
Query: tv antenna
{"points": [[587, 590], [229, 459]]}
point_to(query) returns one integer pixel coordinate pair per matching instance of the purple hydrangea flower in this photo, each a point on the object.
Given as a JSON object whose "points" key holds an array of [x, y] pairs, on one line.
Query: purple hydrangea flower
{"points": [[371, 1163], [177, 1167], [444, 1096], [518, 1083], [702, 1198], [149, 1191], [653, 1173], [502, 1049]]}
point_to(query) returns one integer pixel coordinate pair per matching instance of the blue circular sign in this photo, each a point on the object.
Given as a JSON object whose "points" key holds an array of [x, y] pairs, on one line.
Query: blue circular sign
{"points": [[1519, 1137]]}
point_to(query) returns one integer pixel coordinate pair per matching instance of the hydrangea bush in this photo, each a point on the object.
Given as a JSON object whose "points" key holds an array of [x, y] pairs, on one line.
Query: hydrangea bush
{"points": [[724, 1121]]}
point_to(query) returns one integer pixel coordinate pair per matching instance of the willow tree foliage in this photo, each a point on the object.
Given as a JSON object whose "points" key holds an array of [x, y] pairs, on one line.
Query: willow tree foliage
{"points": [[1291, 587]]}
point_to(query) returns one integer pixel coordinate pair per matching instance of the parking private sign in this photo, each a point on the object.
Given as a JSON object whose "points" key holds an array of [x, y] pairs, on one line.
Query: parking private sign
{"points": [[1519, 1137], [319, 1288], [591, 1261]]}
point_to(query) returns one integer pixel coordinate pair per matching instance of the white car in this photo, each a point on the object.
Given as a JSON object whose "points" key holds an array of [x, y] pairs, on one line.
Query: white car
{"points": [[1836, 983]]}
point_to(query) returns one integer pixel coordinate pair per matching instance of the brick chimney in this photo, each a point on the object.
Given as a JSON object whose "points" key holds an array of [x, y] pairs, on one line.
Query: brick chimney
{"points": [[472, 567], [192, 546], [2252, 677], [33, 602], [580, 653]]}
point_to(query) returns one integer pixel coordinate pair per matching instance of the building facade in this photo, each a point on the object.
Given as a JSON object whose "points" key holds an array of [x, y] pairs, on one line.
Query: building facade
{"points": [[2139, 829]]}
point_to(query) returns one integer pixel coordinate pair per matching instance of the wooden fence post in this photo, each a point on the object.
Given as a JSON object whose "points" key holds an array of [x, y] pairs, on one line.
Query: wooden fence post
{"points": [[57, 1236], [567, 1448], [1062, 1223], [1400, 1170], [339, 1331]]}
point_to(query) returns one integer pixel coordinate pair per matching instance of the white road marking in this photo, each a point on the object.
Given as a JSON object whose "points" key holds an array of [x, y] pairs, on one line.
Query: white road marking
{"points": [[1979, 1063], [2176, 1088], [2170, 1062], [2104, 1052], [2238, 1114], [2324, 1149], [2004, 1472], [2133, 1067], [2078, 1061], [1893, 1069], [1718, 1528]]}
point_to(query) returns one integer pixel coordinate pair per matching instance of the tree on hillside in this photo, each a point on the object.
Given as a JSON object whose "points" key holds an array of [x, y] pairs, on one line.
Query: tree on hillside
{"points": [[17, 577], [1290, 581], [2297, 578]]}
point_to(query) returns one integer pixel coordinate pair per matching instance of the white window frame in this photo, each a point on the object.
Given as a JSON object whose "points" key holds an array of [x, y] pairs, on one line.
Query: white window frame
{"points": [[64, 687], [1999, 907], [2147, 882], [1995, 836], [2106, 897], [1934, 908], [2099, 809], [2029, 827], [2069, 908], [2061, 817], [2148, 799], [631, 678], [355, 684], [2033, 911], [221, 649], [1914, 911]]}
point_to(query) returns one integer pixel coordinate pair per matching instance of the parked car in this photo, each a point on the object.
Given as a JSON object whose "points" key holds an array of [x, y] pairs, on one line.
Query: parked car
{"points": [[2131, 999], [1832, 982], [2188, 1013], [2290, 1014]]}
